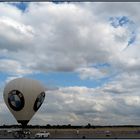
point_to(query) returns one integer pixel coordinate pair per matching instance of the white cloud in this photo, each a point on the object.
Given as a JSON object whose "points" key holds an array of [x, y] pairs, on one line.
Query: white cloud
{"points": [[64, 42], [12, 67], [92, 73], [81, 105], [133, 100]]}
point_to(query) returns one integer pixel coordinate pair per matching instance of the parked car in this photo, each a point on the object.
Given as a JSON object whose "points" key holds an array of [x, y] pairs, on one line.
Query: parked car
{"points": [[108, 133], [42, 135]]}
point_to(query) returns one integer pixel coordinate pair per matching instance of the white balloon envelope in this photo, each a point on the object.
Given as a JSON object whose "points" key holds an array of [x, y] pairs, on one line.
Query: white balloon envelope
{"points": [[24, 97]]}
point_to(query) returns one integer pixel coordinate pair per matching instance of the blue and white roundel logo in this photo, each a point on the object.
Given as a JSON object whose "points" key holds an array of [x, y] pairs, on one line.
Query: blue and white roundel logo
{"points": [[39, 101], [16, 100]]}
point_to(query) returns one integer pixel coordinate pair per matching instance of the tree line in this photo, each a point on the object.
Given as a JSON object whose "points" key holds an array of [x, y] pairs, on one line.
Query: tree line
{"points": [[49, 126]]}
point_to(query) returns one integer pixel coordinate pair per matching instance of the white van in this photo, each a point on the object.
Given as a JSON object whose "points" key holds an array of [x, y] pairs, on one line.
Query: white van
{"points": [[42, 135]]}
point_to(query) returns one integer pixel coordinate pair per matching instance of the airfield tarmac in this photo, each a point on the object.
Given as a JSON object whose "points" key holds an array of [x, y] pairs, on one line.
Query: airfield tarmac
{"points": [[76, 133]]}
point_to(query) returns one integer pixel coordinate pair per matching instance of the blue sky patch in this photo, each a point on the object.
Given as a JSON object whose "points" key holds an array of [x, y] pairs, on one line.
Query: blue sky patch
{"points": [[132, 39], [20, 5], [119, 21], [101, 65], [3, 76], [64, 79], [124, 21]]}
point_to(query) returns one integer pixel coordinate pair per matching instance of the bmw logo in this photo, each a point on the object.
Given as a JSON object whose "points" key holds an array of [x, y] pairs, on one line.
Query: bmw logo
{"points": [[16, 100], [39, 101]]}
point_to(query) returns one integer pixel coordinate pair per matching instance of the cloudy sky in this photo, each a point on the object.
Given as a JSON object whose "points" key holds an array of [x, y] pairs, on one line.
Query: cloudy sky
{"points": [[87, 54]]}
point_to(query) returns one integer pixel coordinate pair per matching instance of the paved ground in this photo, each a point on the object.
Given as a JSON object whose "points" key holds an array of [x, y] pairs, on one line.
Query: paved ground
{"points": [[75, 133]]}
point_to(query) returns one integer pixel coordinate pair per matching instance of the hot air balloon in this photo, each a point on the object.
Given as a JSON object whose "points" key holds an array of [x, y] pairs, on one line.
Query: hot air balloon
{"points": [[24, 97]]}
